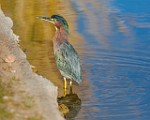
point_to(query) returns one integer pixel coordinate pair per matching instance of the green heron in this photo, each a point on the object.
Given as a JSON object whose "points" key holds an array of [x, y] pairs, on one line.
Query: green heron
{"points": [[66, 57]]}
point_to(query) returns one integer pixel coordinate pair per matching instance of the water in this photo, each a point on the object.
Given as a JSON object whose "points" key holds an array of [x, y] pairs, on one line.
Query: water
{"points": [[117, 58], [115, 53]]}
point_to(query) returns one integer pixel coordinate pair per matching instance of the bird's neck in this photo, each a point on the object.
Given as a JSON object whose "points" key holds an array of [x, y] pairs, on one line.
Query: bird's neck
{"points": [[60, 37]]}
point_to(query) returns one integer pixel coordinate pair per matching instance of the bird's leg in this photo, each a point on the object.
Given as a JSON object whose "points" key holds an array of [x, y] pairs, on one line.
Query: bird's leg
{"points": [[70, 87], [70, 83], [65, 83], [65, 86]]}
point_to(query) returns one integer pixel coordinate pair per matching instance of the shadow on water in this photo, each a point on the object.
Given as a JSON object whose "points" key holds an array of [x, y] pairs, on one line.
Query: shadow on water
{"points": [[69, 105]]}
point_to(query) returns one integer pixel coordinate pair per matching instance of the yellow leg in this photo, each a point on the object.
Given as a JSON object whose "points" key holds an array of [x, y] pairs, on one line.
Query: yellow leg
{"points": [[70, 83], [70, 87], [65, 92], [65, 86], [65, 83]]}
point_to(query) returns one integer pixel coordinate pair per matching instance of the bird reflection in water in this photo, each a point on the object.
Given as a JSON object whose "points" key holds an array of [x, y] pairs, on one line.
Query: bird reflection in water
{"points": [[69, 105]]}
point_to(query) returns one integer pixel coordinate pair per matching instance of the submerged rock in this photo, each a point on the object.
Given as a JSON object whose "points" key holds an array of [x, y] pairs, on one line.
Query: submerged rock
{"points": [[69, 105]]}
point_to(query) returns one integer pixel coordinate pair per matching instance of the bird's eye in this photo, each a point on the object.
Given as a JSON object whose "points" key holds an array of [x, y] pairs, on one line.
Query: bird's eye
{"points": [[53, 19]]}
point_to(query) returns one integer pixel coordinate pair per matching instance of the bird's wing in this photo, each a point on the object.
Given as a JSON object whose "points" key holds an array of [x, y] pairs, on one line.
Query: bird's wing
{"points": [[68, 62]]}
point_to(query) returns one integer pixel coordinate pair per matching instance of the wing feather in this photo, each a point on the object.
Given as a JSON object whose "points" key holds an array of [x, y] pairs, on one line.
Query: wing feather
{"points": [[68, 62]]}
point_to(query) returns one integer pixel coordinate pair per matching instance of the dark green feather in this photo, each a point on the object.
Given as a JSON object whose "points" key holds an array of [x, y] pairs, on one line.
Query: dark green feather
{"points": [[62, 21]]}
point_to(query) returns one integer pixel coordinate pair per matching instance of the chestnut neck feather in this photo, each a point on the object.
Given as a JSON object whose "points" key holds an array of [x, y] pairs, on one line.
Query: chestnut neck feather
{"points": [[60, 37]]}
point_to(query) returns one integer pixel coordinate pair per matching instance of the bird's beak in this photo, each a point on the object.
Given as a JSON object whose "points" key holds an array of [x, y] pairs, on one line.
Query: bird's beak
{"points": [[45, 18]]}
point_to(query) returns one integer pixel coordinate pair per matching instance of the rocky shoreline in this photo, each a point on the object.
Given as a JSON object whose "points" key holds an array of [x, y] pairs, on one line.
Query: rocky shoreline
{"points": [[24, 94]]}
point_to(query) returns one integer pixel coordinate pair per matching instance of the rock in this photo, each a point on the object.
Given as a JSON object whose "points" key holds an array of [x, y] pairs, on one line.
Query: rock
{"points": [[69, 105]]}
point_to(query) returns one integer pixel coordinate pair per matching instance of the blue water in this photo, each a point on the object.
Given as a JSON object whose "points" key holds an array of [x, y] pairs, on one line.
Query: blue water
{"points": [[116, 59]]}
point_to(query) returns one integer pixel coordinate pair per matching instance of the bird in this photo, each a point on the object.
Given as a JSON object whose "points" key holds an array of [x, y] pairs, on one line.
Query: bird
{"points": [[66, 57]]}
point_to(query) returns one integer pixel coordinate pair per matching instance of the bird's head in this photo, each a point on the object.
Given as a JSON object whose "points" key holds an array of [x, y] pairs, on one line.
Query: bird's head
{"points": [[57, 20]]}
